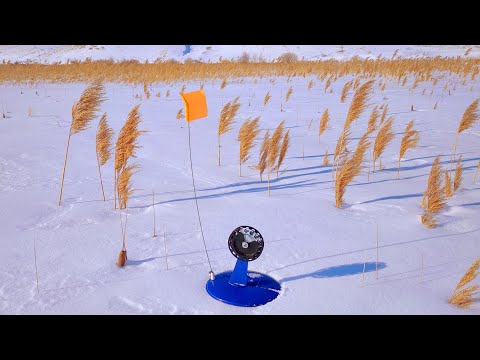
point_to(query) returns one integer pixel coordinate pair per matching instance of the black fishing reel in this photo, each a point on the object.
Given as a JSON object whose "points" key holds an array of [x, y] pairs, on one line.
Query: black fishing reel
{"points": [[245, 243]]}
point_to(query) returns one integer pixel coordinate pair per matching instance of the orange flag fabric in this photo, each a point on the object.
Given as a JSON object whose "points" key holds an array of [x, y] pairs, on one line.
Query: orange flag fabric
{"points": [[195, 105]]}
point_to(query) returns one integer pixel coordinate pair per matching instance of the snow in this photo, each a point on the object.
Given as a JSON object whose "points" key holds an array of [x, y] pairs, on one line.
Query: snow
{"points": [[47, 54], [315, 250]]}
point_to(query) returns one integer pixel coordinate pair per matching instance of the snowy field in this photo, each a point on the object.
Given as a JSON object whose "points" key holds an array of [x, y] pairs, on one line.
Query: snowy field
{"points": [[313, 249], [47, 54]]}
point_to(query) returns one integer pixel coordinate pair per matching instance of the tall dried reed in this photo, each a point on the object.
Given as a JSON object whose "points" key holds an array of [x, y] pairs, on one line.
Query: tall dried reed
{"points": [[103, 144], [246, 136], [434, 196], [410, 140], [325, 158], [384, 137], [126, 145], [225, 123], [274, 149], [345, 90], [350, 169], [470, 116], [266, 99], [323, 123], [457, 179], [83, 112], [476, 172], [262, 162], [463, 296], [283, 150], [448, 185]]}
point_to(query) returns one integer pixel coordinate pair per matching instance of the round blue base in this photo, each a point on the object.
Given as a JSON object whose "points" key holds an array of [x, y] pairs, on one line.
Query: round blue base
{"points": [[260, 289]]}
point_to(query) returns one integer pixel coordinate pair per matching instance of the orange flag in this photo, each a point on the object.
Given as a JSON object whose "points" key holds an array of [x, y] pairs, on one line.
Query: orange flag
{"points": [[195, 105]]}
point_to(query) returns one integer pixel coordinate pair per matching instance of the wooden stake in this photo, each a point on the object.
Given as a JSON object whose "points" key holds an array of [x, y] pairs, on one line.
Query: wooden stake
{"points": [[101, 181], [153, 205], [65, 165], [35, 256], [376, 262], [165, 245]]}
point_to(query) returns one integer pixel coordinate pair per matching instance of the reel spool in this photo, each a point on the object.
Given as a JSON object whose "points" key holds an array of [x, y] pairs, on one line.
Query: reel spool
{"points": [[245, 243], [241, 287]]}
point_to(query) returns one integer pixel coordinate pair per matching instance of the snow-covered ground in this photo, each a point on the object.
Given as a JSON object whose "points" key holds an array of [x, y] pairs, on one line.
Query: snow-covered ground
{"points": [[47, 54], [315, 250]]}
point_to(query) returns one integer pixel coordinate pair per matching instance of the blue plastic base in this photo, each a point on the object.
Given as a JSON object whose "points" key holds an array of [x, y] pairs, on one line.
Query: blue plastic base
{"points": [[258, 290]]}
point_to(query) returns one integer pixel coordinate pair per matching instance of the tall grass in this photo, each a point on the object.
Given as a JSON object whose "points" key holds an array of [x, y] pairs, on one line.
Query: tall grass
{"points": [[457, 179], [463, 296], [283, 150], [274, 149], [225, 123], [103, 144], [384, 137], [434, 196], [126, 145], [262, 162], [246, 136], [350, 169], [410, 140], [170, 71], [323, 123], [470, 116], [83, 112]]}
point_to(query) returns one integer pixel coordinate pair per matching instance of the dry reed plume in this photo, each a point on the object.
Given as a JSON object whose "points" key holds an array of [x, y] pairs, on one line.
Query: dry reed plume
{"points": [[457, 179], [262, 162], [372, 121], [359, 102], [224, 83], [448, 185], [323, 124], [476, 172], [180, 114], [325, 158], [126, 144], [266, 99], [310, 84], [328, 83], [83, 112], [182, 90], [409, 141], [357, 106], [384, 136], [289, 93], [274, 149], [283, 150], [103, 144], [350, 169], [384, 115], [246, 136], [345, 90], [470, 116], [168, 93], [225, 123], [434, 196], [132, 71], [124, 184], [464, 297]]}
